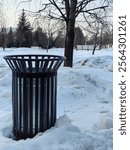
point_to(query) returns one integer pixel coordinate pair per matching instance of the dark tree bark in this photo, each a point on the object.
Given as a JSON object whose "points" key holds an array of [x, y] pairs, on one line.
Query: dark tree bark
{"points": [[70, 33], [95, 42]]}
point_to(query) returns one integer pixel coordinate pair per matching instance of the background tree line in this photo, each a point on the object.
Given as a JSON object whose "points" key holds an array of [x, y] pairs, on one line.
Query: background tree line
{"points": [[25, 36]]}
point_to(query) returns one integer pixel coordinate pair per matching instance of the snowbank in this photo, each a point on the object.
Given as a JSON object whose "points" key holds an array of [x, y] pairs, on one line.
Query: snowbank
{"points": [[84, 104]]}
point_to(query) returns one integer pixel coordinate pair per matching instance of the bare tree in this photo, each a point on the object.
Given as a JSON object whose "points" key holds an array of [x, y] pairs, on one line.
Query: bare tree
{"points": [[97, 36], [2, 26], [50, 28], [68, 11], [101, 36]]}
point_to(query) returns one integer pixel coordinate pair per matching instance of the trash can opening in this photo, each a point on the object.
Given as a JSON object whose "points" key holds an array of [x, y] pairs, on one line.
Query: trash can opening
{"points": [[34, 63]]}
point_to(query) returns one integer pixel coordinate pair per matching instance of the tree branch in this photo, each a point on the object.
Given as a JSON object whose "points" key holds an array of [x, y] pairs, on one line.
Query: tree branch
{"points": [[54, 4], [94, 15], [86, 29], [86, 20], [102, 7], [82, 5], [54, 17], [45, 6]]}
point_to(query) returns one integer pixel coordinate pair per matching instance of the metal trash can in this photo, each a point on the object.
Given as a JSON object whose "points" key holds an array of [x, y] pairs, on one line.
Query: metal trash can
{"points": [[34, 90]]}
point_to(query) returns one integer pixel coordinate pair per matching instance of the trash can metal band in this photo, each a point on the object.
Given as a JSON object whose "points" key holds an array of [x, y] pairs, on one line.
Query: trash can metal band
{"points": [[34, 93]]}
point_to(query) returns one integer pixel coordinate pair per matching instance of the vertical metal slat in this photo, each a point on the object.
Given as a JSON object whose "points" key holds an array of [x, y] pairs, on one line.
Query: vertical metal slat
{"points": [[36, 105], [25, 106], [31, 107], [41, 103], [20, 104]]}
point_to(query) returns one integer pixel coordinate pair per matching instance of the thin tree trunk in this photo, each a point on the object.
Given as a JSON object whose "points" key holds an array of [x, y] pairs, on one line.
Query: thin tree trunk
{"points": [[48, 42], [94, 49], [95, 44], [3, 42]]}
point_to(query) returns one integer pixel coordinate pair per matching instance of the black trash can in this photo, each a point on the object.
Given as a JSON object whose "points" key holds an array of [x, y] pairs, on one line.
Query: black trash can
{"points": [[34, 90]]}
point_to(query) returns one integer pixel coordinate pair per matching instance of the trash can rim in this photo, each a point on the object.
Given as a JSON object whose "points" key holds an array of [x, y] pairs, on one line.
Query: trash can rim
{"points": [[44, 57]]}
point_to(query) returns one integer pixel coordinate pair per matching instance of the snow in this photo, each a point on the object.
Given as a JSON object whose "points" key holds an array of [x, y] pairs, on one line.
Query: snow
{"points": [[84, 104]]}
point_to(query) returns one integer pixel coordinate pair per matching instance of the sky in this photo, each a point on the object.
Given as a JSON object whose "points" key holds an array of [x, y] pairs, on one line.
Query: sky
{"points": [[12, 9]]}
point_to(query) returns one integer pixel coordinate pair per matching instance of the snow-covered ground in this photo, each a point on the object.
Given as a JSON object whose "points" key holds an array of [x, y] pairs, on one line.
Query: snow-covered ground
{"points": [[84, 104]]}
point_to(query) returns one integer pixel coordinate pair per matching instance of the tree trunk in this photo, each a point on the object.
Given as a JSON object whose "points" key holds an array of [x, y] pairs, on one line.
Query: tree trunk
{"points": [[95, 43], [94, 49], [48, 42], [69, 43], [70, 33]]}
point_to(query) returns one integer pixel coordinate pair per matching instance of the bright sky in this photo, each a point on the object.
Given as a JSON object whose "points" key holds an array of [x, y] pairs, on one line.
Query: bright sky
{"points": [[12, 9]]}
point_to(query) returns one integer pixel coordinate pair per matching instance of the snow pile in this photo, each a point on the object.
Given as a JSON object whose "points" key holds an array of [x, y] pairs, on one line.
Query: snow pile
{"points": [[64, 136], [84, 104], [104, 122]]}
